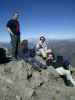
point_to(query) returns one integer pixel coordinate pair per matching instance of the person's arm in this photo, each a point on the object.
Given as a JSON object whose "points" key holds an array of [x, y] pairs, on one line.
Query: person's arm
{"points": [[8, 26], [37, 46], [45, 45], [9, 30]]}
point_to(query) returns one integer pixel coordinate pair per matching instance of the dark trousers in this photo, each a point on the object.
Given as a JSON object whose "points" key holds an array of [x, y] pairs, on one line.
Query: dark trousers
{"points": [[15, 43]]}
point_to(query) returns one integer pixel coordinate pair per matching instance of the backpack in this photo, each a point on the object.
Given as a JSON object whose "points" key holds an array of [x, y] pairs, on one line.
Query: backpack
{"points": [[2, 53], [63, 62], [59, 59], [66, 64], [3, 58]]}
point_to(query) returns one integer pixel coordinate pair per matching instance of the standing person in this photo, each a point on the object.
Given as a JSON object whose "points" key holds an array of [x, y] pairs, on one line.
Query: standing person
{"points": [[13, 28]]}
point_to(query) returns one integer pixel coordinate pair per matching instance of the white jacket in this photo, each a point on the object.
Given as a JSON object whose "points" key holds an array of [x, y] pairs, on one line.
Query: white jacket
{"points": [[41, 45]]}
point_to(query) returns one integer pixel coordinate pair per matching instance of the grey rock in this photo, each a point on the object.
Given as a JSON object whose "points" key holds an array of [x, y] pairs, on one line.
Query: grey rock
{"points": [[20, 81], [36, 80]]}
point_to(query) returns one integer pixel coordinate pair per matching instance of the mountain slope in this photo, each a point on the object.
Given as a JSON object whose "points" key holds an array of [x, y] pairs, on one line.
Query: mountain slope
{"points": [[19, 81]]}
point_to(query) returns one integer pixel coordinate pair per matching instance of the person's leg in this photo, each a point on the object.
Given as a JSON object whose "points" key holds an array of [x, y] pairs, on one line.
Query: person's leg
{"points": [[43, 53], [60, 71], [38, 53], [67, 75], [13, 45], [17, 45], [38, 63], [67, 82], [18, 41], [48, 51], [32, 61]]}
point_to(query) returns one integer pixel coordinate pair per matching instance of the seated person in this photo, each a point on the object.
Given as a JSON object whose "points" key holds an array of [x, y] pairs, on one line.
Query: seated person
{"points": [[29, 55], [62, 66], [41, 47], [24, 51]]}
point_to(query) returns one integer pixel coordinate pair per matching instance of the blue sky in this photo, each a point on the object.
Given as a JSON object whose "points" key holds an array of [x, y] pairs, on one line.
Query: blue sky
{"points": [[53, 18]]}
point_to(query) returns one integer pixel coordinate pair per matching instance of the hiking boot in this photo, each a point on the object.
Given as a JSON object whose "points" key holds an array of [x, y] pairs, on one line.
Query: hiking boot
{"points": [[67, 82]]}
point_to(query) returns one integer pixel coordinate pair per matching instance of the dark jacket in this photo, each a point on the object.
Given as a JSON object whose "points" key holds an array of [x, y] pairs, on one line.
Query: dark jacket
{"points": [[29, 56], [14, 26]]}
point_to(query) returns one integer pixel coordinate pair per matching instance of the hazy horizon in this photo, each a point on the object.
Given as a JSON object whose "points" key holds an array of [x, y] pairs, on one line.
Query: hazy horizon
{"points": [[36, 39]]}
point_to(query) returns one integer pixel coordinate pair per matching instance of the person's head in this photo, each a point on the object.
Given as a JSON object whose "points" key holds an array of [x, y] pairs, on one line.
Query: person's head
{"points": [[15, 16], [51, 56], [24, 44], [42, 39]]}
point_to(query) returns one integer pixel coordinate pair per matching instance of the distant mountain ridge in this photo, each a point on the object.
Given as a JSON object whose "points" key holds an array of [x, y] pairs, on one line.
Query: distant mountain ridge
{"points": [[6, 45]]}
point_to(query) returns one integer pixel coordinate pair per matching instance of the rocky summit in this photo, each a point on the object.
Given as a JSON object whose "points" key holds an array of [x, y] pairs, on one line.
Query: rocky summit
{"points": [[19, 81]]}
